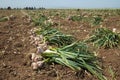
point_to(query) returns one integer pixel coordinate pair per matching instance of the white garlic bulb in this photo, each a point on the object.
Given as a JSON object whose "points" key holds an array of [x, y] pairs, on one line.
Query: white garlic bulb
{"points": [[114, 29], [40, 63], [34, 66]]}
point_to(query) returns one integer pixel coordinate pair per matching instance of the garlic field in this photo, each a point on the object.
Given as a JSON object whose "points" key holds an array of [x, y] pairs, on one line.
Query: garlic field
{"points": [[63, 44]]}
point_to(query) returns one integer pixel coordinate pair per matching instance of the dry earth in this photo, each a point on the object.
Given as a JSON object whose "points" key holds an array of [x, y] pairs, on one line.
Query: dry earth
{"points": [[15, 46]]}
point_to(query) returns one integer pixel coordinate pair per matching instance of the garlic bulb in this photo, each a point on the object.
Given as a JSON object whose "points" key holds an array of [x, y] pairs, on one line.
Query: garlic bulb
{"points": [[40, 50], [114, 29], [40, 63], [37, 58], [34, 66]]}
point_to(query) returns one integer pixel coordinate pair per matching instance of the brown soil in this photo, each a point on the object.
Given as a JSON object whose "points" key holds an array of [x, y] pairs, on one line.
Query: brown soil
{"points": [[15, 46]]}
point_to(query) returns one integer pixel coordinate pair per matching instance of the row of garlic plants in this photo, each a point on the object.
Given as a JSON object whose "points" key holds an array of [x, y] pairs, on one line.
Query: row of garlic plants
{"points": [[66, 50]]}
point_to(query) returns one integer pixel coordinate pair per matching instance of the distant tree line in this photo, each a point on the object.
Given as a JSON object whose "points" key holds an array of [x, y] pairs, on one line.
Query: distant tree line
{"points": [[33, 8], [25, 8]]}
